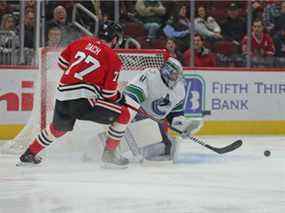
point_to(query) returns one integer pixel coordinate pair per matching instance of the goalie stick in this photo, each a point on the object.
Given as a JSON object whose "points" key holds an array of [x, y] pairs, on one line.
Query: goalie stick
{"points": [[220, 150]]}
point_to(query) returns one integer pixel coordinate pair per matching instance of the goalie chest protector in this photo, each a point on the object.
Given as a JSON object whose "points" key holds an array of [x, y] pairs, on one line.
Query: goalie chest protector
{"points": [[159, 100]]}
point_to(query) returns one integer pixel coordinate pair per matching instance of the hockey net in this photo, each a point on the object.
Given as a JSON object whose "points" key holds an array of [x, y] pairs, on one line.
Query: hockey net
{"points": [[134, 61]]}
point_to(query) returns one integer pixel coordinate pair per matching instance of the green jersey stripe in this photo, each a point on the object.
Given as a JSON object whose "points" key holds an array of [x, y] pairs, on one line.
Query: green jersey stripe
{"points": [[136, 87], [178, 107], [136, 91]]}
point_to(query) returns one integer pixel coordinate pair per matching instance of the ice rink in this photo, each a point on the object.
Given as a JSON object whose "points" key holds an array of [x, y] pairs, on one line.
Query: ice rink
{"points": [[243, 181]]}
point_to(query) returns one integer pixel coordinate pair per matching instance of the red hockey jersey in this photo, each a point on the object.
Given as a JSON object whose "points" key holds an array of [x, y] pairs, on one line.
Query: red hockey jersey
{"points": [[91, 69], [262, 47]]}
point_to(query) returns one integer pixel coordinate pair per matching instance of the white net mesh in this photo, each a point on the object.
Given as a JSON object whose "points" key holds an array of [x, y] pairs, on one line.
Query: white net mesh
{"points": [[48, 75], [140, 60]]}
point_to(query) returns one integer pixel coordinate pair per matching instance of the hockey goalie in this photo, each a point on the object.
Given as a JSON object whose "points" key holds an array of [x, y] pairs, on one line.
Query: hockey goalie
{"points": [[160, 95]]}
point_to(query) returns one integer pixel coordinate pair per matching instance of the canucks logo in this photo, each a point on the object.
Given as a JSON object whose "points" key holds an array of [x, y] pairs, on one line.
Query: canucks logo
{"points": [[194, 104], [161, 105]]}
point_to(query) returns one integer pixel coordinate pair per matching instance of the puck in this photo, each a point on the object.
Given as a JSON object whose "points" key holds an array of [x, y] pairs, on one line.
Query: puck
{"points": [[267, 153]]}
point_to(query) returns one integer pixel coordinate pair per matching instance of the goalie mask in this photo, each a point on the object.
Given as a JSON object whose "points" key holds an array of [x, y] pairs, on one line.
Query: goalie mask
{"points": [[109, 30], [171, 72]]}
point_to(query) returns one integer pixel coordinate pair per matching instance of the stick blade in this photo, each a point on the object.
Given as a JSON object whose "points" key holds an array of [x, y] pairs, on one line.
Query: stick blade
{"points": [[233, 146]]}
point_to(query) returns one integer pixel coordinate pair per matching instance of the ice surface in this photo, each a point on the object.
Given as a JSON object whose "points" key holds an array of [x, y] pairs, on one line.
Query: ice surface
{"points": [[243, 181]]}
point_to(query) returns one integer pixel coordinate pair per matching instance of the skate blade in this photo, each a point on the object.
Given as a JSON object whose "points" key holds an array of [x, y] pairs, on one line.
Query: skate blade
{"points": [[28, 165], [113, 166]]}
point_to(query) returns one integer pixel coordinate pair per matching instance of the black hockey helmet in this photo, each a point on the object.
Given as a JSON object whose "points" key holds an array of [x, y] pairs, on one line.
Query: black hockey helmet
{"points": [[109, 29]]}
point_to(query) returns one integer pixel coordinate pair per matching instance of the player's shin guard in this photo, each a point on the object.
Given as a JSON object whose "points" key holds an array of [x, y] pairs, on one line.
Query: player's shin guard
{"points": [[45, 138]]}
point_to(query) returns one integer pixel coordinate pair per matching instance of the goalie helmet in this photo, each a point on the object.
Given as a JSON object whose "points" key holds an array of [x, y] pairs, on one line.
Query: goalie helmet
{"points": [[109, 29], [171, 72]]}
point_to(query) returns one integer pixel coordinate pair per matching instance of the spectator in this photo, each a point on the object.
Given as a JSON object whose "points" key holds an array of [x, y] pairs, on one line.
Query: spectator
{"points": [[279, 42], [29, 9], [29, 36], [69, 32], [59, 18], [173, 50], [150, 13], [29, 22], [234, 26], [270, 13], [257, 9], [280, 21], [8, 25], [262, 47], [30, 4], [4, 8], [181, 18], [54, 37], [203, 56], [8, 22], [207, 26], [8, 40], [68, 5], [127, 11], [178, 27]]}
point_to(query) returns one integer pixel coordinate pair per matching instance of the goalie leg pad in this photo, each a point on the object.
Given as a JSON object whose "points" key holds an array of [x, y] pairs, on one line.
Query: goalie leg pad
{"points": [[153, 150]]}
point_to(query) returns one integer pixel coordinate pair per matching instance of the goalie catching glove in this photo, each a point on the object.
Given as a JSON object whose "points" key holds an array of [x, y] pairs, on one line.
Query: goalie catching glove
{"points": [[186, 126]]}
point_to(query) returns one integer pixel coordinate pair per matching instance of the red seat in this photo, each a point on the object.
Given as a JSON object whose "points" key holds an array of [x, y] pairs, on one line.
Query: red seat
{"points": [[159, 43], [134, 29], [225, 47]]}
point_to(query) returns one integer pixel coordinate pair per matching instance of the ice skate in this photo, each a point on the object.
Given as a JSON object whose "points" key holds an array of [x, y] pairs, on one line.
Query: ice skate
{"points": [[28, 159], [112, 159]]}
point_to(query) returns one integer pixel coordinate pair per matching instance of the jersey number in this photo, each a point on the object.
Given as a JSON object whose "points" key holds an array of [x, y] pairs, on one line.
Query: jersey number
{"points": [[116, 76], [81, 56]]}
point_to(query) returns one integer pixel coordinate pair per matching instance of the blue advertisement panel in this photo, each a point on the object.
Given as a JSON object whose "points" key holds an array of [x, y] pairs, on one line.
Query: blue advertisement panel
{"points": [[194, 105]]}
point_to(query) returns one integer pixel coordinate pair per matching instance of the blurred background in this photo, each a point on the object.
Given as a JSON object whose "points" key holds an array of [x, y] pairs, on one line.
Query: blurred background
{"points": [[222, 33]]}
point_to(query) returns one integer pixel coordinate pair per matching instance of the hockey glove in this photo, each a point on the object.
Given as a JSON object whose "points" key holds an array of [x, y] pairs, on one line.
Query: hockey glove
{"points": [[187, 126]]}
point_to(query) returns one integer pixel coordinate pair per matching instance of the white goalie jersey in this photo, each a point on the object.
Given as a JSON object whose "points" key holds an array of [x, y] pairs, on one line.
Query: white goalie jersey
{"points": [[152, 94]]}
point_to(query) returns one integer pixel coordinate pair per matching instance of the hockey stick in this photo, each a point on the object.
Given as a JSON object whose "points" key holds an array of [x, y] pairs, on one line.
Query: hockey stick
{"points": [[220, 150]]}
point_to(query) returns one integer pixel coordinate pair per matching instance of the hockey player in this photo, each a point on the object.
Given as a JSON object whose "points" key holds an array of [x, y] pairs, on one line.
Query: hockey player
{"points": [[161, 94], [87, 91]]}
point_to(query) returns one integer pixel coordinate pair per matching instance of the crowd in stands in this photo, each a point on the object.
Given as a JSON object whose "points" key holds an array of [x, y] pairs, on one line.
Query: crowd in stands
{"points": [[220, 29]]}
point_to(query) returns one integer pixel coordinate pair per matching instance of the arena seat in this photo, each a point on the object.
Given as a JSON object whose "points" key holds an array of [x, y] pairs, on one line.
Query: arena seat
{"points": [[225, 47], [134, 29]]}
